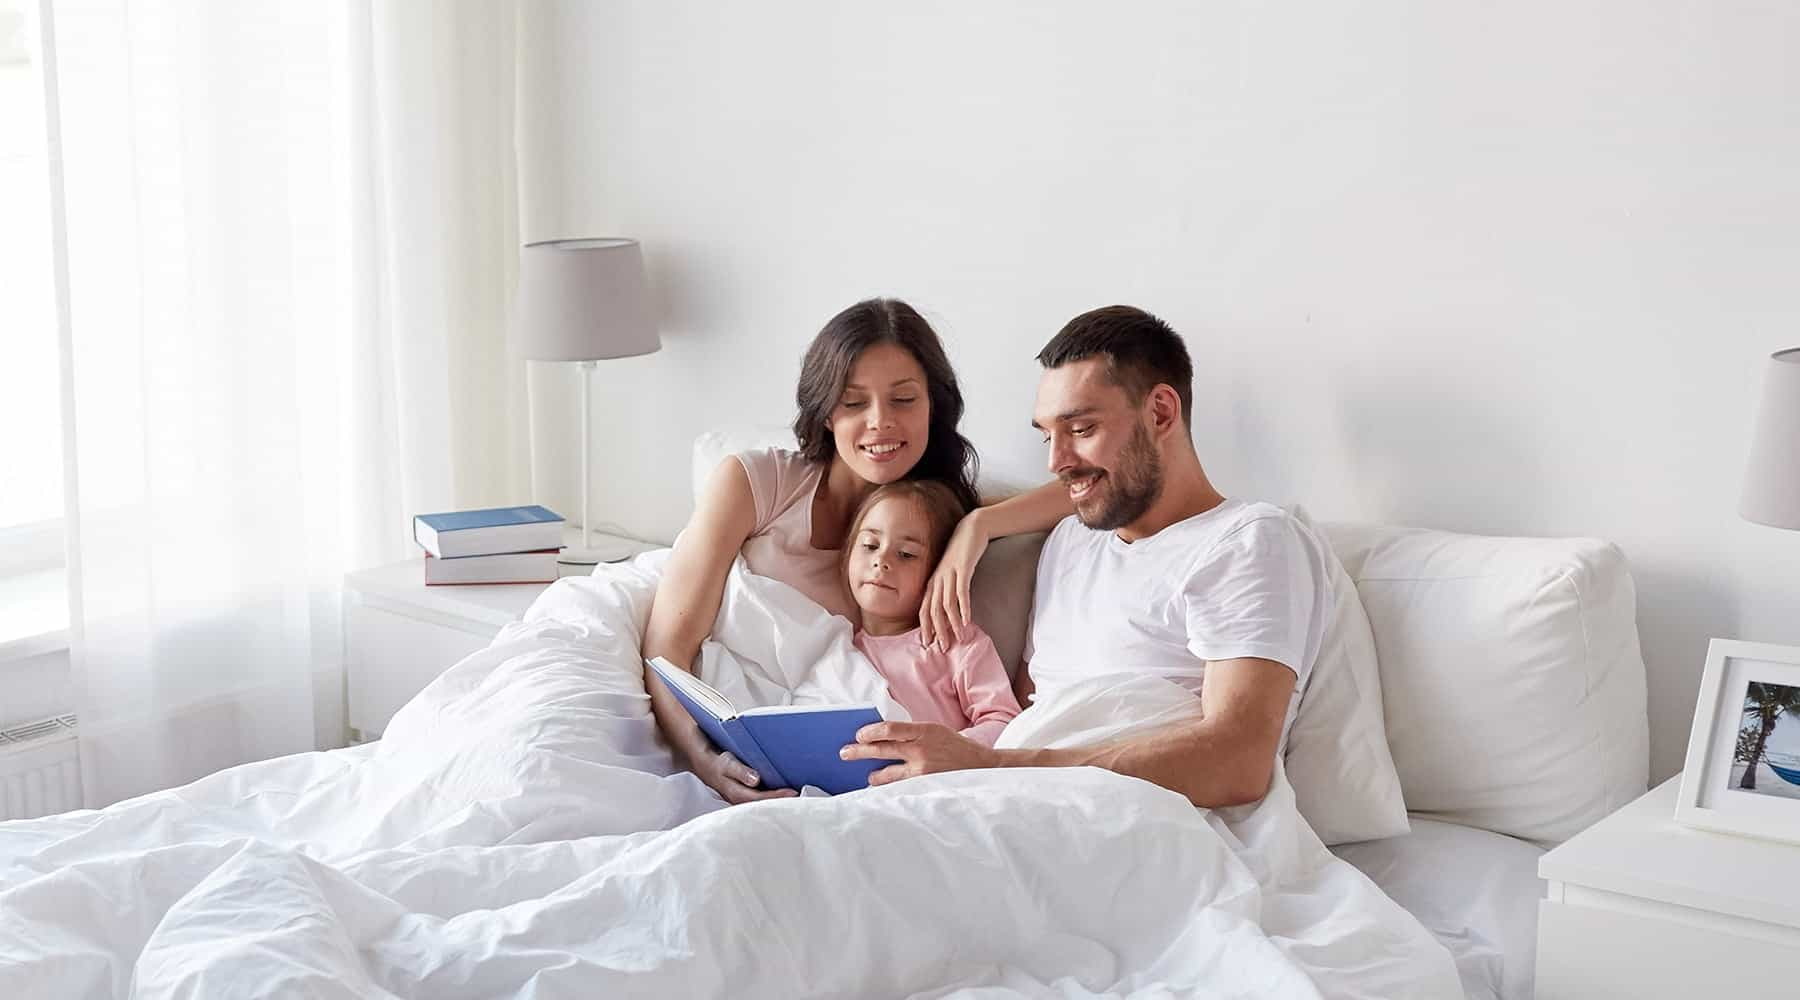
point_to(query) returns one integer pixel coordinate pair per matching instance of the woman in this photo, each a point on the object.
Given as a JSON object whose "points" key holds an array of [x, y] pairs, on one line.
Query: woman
{"points": [[878, 402]]}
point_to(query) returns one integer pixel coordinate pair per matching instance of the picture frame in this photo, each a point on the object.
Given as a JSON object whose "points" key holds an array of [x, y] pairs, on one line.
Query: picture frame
{"points": [[1743, 758]]}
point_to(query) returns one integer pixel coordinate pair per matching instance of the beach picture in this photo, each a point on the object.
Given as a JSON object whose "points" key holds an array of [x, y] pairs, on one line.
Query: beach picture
{"points": [[1767, 761]]}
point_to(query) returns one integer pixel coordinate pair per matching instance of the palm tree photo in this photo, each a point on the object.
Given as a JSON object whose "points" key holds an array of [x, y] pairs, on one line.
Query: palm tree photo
{"points": [[1765, 705]]}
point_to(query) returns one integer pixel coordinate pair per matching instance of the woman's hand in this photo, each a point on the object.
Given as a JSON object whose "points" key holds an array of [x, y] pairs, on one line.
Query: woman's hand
{"points": [[735, 782], [946, 610]]}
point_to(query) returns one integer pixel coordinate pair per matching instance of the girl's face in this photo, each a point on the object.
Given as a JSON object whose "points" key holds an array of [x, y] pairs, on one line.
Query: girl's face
{"points": [[890, 559], [883, 419]]}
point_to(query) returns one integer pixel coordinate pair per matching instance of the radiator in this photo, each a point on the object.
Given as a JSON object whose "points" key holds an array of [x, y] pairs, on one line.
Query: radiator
{"points": [[40, 772]]}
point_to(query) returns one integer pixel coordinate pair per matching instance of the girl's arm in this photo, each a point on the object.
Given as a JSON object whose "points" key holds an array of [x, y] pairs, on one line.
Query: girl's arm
{"points": [[982, 686], [945, 611], [682, 614]]}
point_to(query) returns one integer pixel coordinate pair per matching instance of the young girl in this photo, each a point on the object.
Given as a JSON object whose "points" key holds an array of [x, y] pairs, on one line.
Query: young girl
{"points": [[894, 543]]}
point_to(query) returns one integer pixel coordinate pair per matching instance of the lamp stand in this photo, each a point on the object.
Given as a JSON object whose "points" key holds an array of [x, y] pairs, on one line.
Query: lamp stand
{"points": [[610, 549]]}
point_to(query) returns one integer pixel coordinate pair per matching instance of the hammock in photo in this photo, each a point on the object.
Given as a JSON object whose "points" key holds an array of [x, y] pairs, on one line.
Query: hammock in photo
{"points": [[1787, 774]]}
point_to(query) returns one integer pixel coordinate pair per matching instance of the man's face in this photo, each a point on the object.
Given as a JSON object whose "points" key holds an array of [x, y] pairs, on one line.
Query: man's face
{"points": [[1100, 444]]}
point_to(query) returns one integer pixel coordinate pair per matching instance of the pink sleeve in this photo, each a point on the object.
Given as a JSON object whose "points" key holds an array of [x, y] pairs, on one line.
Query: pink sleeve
{"points": [[778, 479], [986, 692]]}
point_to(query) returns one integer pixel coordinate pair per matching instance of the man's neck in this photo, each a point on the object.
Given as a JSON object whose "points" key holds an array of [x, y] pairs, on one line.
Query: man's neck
{"points": [[1186, 492]]}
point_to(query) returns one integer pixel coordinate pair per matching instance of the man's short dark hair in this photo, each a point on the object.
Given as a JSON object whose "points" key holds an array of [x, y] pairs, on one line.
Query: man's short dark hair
{"points": [[1140, 351]]}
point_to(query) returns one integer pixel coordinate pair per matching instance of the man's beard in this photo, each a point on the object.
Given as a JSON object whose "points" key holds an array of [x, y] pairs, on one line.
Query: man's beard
{"points": [[1126, 492]]}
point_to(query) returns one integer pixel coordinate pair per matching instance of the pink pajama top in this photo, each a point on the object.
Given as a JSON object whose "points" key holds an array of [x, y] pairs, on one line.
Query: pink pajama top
{"points": [[964, 687]]}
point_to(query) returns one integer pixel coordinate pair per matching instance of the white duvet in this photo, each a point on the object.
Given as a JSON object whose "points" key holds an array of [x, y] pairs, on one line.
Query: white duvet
{"points": [[521, 831]]}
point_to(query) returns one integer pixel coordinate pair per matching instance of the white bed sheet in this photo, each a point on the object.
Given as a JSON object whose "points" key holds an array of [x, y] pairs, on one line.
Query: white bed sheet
{"points": [[521, 831], [1476, 891]]}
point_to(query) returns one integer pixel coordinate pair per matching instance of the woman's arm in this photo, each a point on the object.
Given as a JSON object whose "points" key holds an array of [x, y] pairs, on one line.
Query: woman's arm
{"points": [[946, 607], [682, 614]]}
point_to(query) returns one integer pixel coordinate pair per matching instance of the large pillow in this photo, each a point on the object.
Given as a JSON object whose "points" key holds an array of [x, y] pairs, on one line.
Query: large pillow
{"points": [[1337, 755], [1510, 672], [712, 447]]}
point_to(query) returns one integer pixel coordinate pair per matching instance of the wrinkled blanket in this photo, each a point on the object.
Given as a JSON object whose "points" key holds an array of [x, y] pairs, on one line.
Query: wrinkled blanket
{"points": [[520, 830]]}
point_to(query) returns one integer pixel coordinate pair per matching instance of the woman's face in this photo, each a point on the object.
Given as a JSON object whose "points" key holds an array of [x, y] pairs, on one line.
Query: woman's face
{"points": [[890, 559], [882, 420]]}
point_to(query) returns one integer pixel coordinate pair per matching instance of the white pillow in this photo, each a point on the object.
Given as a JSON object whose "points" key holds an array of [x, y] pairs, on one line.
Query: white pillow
{"points": [[1510, 672], [1337, 755], [714, 446]]}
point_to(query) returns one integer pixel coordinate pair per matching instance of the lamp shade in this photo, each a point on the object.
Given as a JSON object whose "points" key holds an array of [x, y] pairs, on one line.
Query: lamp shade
{"points": [[583, 300], [1772, 481]]}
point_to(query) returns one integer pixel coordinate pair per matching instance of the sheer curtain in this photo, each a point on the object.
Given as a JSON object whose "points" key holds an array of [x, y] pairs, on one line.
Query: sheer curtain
{"points": [[290, 235]]}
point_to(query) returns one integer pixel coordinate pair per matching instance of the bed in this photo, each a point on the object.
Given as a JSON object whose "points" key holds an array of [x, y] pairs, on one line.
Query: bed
{"points": [[520, 831], [1476, 891]]}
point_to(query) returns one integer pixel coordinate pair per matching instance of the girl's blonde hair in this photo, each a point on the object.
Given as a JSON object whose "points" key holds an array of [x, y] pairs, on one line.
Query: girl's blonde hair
{"points": [[937, 500]]}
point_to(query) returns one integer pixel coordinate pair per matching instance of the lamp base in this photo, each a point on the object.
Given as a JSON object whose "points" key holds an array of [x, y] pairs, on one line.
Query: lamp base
{"points": [[601, 550]]}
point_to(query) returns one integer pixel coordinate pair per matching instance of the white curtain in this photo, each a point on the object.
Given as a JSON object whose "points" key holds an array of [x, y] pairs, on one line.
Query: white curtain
{"points": [[291, 233]]}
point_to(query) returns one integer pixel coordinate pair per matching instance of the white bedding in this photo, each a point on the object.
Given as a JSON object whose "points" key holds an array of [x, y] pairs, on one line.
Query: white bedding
{"points": [[1475, 891], [521, 831]]}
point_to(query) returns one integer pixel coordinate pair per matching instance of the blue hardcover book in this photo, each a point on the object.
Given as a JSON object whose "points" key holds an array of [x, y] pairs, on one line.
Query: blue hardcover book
{"points": [[788, 746], [458, 533]]}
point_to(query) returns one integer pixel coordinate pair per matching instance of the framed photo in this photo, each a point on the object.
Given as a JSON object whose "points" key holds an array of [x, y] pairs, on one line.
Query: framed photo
{"points": [[1743, 758]]}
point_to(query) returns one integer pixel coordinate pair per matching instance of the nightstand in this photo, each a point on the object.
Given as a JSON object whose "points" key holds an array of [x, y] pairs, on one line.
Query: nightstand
{"points": [[1643, 908], [399, 634]]}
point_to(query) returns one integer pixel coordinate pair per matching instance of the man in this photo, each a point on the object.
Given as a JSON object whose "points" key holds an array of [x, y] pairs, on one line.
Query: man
{"points": [[1155, 573]]}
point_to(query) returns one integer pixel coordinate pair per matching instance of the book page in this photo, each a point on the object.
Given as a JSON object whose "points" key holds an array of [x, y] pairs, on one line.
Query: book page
{"points": [[695, 688], [795, 709]]}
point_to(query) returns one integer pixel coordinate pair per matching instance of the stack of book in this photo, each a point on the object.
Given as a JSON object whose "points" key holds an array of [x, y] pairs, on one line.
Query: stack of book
{"points": [[496, 545]]}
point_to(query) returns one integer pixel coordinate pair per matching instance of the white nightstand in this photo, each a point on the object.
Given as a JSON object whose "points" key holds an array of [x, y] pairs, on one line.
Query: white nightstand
{"points": [[1640, 907], [400, 634]]}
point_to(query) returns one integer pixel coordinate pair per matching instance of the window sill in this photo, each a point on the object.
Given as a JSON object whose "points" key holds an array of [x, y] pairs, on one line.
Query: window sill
{"points": [[34, 613], [28, 646]]}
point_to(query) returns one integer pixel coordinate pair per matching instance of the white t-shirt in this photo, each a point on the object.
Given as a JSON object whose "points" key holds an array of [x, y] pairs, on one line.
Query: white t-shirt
{"points": [[1242, 579]]}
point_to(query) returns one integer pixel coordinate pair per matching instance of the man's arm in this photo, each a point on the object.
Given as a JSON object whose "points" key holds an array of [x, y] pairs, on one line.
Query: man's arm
{"points": [[1225, 758]]}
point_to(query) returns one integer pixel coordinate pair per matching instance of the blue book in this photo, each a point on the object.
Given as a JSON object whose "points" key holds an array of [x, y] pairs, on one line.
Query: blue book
{"points": [[788, 746], [458, 533]]}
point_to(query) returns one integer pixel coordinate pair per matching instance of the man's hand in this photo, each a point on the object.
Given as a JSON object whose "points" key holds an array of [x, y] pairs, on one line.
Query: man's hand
{"points": [[920, 747]]}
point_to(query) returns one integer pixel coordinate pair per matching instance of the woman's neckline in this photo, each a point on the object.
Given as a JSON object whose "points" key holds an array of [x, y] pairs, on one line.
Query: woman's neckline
{"points": [[823, 471]]}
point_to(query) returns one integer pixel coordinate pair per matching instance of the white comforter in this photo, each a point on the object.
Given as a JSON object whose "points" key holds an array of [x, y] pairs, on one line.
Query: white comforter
{"points": [[520, 831]]}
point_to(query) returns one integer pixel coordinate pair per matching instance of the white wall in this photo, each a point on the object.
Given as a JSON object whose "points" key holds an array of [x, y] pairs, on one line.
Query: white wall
{"points": [[1499, 268]]}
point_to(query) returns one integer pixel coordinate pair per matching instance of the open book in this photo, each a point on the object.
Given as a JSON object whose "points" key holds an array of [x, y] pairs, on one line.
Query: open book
{"points": [[788, 746]]}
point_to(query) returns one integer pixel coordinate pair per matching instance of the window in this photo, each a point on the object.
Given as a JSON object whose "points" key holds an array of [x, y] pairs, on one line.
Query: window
{"points": [[33, 602]]}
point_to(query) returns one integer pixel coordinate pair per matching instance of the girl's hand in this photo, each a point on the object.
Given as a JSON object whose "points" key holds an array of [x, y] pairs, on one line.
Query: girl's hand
{"points": [[946, 610]]}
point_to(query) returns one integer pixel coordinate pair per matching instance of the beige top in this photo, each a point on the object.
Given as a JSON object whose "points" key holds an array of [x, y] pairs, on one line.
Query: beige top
{"points": [[783, 484]]}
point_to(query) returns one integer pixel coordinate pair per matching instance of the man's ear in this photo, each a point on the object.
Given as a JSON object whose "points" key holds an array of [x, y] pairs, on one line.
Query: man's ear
{"points": [[1165, 410]]}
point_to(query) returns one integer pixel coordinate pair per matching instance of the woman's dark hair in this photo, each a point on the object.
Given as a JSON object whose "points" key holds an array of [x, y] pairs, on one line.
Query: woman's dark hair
{"points": [[949, 457]]}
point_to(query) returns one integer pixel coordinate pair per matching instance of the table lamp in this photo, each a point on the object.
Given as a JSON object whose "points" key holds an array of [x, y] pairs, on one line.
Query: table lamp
{"points": [[1772, 478], [584, 300]]}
